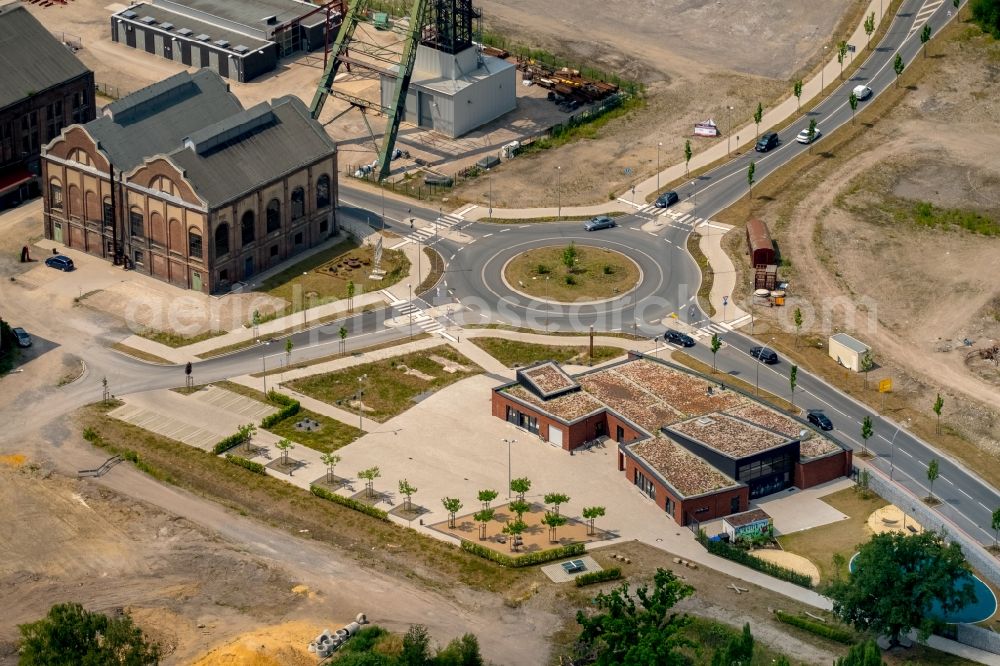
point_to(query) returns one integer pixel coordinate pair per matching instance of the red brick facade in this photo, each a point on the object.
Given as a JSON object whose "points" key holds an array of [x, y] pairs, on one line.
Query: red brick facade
{"points": [[574, 435], [820, 470]]}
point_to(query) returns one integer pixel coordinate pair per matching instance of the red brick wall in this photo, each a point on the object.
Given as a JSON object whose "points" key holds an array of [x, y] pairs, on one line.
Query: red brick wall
{"points": [[821, 470], [718, 504], [500, 403]]}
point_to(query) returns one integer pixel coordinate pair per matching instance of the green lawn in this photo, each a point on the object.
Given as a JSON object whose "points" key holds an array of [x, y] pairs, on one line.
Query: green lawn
{"points": [[597, 273], [171, 339], [516, 353], [710, 636], [331, 436], [388, 390]]}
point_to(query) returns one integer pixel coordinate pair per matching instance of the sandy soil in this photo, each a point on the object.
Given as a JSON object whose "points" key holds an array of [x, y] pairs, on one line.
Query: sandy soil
{"points": [[890, 519], [790, 561]]}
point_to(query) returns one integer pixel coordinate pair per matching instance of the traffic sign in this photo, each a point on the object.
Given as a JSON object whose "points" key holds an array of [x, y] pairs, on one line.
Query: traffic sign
{"points": [[725, 300], [627, 171], [885, 386]]}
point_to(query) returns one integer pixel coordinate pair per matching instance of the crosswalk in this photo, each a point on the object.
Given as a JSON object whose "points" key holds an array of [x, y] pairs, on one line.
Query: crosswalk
{"points": [[923, 15], [711, 329], [680, 219], [431, 231], [419, 318]]}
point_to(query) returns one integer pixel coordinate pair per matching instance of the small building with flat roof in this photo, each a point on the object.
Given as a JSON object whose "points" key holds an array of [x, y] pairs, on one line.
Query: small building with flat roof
{"points": [[752, 523], [848, 351]]}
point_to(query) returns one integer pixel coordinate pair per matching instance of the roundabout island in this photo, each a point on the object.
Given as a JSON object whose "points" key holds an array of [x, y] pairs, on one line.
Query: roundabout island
{"points": [[571, 273]]}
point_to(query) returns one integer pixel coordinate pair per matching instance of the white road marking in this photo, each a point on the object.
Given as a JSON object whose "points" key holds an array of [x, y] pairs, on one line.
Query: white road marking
{"points": [[487, 235]]}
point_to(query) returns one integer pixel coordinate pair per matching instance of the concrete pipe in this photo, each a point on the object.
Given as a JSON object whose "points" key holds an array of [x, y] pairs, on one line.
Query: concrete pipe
{"points": [[361, 619], [353, 628]]}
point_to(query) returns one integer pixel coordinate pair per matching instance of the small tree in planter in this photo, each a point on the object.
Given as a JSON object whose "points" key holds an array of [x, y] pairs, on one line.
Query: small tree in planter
{"points": [[519, 507], [553, 521], [452, 506], [866, 432], [592, 513], [406, 490], [933, 472], [487, 496], [369, 475], [284, 446], [514, 530], [520, 486], [482, 517], [330, 460], [555, 499]]}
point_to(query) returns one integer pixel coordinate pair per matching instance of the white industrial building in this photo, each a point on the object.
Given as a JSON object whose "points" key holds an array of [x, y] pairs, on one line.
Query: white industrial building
{"points": [[455, 93]]}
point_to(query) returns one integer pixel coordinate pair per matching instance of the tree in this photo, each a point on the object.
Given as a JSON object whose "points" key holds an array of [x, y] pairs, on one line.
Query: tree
{"points": [[520, 486], [416, 649], [797, 320], [811, 133], [758, 115], [938, 405], [330, 460], [513, 530], [284, 445], [462, 651], [797, 91], [896, 579], [592, 513], [343, 339], [841, 54], [687, 156], [862, 654], [289, 345], [716, 345], [519, 507], [864, 481], [738, 652], [555, 499], [554, 521], [867, 363], [933, 472], [637, 629], [255, 320], [70, 635], [866, 432], [246, 433], [987, 14], [350, 296], [569, 256], [925, 36], [452, 506], [897, 66], [406, 490], [958, 9], [793, 380], [750, 171], [482, 517], [853, 101], [369, 475], [995, 524], [870, 27], [487, 496]]}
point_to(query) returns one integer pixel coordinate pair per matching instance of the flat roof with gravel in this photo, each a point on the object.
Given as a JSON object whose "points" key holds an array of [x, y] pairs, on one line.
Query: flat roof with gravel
{"points": [[683, 471], [548, 379], [729, 435], [569, 407]]}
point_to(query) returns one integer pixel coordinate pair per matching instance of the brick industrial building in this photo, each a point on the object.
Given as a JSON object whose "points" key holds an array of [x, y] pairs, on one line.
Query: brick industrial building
{"points": [[43, 88], [205, 193], [698, 451]]}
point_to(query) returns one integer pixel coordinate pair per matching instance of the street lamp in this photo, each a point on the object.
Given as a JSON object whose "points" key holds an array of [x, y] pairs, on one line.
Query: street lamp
{"points": [[381, 187], [489, 177], [822, 71], [658, 146], [892, 449], [756, 389], [263, 361], [357, 397], [558, 191], [508, 442], [729, 134]]}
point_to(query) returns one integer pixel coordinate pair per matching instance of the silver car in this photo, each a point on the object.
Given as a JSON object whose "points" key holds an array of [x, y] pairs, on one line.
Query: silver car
{"points": [[803, 136], [599, 222]]}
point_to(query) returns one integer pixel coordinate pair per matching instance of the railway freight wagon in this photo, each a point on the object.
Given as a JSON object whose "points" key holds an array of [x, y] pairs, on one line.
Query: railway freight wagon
{"points": [[759, 245]]}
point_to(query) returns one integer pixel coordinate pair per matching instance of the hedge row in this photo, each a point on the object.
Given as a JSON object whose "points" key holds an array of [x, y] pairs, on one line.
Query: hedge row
{"points": [[598, 576], [228, 443], [254, 467], [290, 407], [349, 503], [741, 556], [834, 633], [525, 560]]}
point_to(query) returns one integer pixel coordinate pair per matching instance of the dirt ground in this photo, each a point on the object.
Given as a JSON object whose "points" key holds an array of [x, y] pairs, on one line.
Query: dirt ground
{"points": [[858, 262]]}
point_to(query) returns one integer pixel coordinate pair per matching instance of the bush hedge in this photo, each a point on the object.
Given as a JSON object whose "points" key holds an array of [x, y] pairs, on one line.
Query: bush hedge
{"points": [[598, 576], [832, 632], [289, 407], [228, 443], [254, 467], [741, 556], [349, 503], [527, 559]]}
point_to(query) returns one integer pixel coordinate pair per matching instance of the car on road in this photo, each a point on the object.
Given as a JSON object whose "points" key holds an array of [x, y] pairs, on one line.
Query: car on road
{"points": [[678, 338], [22, 337], [862, 92], [766, 142], [819, 419], [803, 136], [60, 261], [667, 199], [599, 222], [764, 355]]}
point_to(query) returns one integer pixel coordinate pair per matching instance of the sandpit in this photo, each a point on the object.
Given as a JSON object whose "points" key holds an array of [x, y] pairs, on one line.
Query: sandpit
{"points": [[891, 519], [796, 563], [278, 645]]}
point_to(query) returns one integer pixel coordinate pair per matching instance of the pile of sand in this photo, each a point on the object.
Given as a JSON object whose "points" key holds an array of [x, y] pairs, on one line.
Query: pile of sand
{"points": [[891, 519], [278, 645]]}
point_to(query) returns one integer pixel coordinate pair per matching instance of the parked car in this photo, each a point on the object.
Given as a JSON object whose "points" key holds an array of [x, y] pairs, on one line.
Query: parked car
{"points": [[803, 136], [764, 354], [862, 92], [667, 199], [819, 419], [767, 142], [599, 222], [60, 261], [23, 339], [678, 338]]}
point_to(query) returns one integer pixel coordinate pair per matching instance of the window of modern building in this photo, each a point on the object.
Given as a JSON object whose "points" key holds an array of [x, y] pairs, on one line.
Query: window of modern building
{"points": [[247, 227], [55, 196], [521, 420], [298, 203], [221, 242], [670, 506], [194, 244], [323, 191], [135, 222], [645, 485], [273, 215], [6, 142]]}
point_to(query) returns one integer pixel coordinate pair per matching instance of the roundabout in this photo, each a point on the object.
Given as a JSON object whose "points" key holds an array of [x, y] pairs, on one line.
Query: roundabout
{"points": [[571, 273]]}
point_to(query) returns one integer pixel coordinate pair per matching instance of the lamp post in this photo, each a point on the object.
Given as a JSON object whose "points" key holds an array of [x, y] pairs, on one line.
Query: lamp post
{"points": [[559, 191], [729, 134], [658, 146], [263, 361], [756, 389], [381, 187], [357, 397], [489, 176], [508, 442], [822, 71], [892, 449]]}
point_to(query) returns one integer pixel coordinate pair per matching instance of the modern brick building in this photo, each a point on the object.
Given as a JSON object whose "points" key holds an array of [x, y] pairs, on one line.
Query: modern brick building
{"points": [[43, 88], [180, 182], [698, 451]]}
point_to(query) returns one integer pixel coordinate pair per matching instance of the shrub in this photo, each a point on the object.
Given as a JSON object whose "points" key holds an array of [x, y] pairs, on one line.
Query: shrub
{"points": [[609, 269], [254, 467], [527, 559], [739, 556], [290, 407], [349, 503], [228, 443], [570, 280], [598, 576], [542, 269], [91, 435], [832, 632]]}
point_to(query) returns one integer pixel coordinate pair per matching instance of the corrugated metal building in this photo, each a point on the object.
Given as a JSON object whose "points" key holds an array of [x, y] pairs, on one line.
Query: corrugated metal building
{"points": [[759, 244], [237, 40]]}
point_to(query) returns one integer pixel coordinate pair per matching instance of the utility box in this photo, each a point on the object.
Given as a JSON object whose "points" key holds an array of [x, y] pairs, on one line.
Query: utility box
{"points": [[847, 351]]}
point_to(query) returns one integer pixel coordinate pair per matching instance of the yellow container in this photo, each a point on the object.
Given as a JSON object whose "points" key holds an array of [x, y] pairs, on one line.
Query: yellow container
{"points": [[779, 300]]}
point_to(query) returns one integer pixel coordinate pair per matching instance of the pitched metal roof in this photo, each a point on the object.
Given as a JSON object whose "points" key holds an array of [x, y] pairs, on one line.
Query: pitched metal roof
{"points": [[31, 59], [157, 119]]}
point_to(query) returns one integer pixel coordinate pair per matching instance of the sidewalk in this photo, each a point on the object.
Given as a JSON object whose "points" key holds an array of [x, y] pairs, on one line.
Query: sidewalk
{"points": [[723, 273]]}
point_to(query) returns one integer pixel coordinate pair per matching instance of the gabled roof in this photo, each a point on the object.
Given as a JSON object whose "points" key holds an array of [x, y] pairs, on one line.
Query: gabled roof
{"points": [[31, 59]]}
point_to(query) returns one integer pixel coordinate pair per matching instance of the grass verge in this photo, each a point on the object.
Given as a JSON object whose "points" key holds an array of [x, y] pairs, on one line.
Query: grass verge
{"points": [[332, 434], [707, 276], [437, 271], [691, 362], [550, 218], [141, 355], [175, 340], [333, 357], [514, 353], [522, 329]]}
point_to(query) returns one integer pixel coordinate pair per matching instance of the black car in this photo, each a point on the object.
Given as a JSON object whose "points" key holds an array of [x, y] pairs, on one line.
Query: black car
{"points": [[60, 261], [820, 420], [667, 199], [678, 338], [767, 142], [764, 355]]}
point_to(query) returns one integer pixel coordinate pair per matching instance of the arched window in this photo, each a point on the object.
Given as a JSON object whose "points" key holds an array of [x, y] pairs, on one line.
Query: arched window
{"points": [[175, 232], [75, 203], [157, 228], [55, 195], [135, 220], [323, 191], [247, 227], [93, 208], [221, 240], [194, 244], [298, 203], [273, 215]]}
